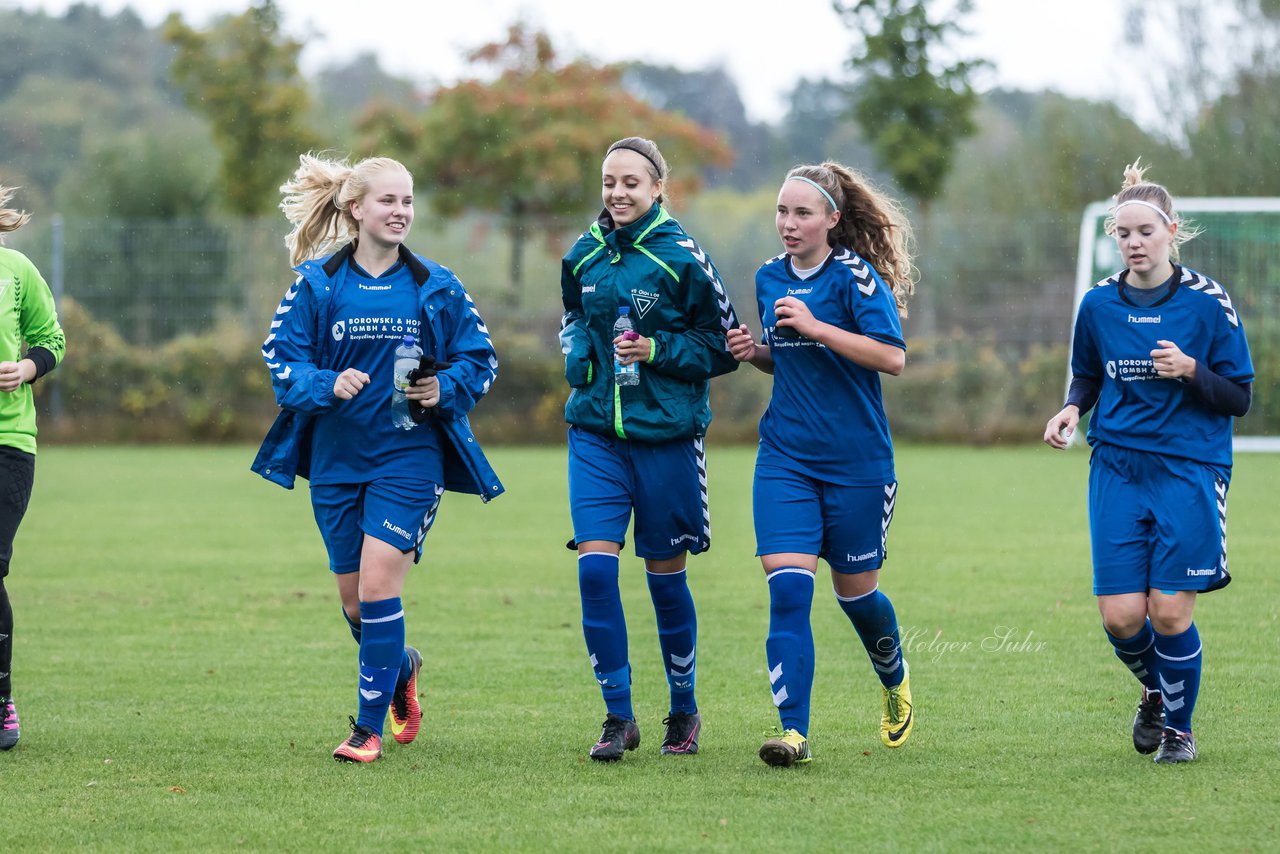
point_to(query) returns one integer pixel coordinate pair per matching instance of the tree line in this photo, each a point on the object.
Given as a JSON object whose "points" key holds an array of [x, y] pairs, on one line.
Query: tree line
{"points": [[170, 142], [106, 115]]}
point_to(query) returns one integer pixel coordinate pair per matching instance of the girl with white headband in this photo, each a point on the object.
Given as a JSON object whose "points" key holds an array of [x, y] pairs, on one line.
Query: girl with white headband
{"points": [[824, 480], [1160, 350]]}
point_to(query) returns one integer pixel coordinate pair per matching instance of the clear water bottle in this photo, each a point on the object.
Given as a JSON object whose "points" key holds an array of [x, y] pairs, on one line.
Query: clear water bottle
{"points": [[625, 374], [407, 355]]}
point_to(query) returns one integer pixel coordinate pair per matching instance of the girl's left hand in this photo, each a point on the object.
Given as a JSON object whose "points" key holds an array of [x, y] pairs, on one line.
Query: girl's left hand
{"points": [[425, 392], [628, 350], [1171, 363], [792, 313]]}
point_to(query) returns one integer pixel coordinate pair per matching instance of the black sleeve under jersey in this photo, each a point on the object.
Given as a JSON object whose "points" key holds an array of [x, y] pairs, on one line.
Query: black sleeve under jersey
{"points": [[1083, 393], [1219, 394]]}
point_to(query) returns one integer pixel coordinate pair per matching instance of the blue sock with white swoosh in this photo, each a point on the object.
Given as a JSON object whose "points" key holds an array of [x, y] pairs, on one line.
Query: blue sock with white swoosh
{"points": [[381, 653], [677, 634], [1179, 676], [789, 647], [876, 623]]}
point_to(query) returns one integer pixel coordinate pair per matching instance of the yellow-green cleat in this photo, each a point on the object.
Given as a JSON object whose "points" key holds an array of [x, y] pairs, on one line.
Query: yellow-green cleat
{"points": [[786, 748], [898, 715]]}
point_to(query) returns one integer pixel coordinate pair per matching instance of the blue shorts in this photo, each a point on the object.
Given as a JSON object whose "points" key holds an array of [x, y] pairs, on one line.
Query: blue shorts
{"points": [[664, 483], [396, 510], [1157, 522], [847, 526]]}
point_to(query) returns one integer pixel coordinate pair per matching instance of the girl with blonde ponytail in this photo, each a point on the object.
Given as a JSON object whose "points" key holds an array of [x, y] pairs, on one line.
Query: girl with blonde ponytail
{"points": [[380, 444], [1160, 350], [31, 321], [830, 305]]}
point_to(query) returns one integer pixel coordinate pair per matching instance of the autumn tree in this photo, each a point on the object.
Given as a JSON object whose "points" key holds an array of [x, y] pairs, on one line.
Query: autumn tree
{"points": [[913, 109], [242, 75], [526, 144]]}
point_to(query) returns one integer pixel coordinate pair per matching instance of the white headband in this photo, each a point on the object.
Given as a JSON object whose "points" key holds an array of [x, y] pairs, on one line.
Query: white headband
{"points": [[819, 187], [1164, 216]]}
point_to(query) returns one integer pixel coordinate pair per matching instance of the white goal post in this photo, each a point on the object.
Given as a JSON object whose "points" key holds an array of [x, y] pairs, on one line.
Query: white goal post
{"points": [[1240, 248]]}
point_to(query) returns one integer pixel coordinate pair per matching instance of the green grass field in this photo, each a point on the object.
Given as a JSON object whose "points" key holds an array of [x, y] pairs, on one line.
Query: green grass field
{"points": [[183, 675]]}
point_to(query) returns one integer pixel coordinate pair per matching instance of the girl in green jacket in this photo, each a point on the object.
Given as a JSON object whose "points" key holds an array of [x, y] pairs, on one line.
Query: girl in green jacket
{"points": [[636, 443]]}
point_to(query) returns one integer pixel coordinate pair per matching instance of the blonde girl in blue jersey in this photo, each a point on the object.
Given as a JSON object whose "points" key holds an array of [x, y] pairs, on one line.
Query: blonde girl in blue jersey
{"points": [[27, 317], [376, 483], [825, 487], [1161, 352]]}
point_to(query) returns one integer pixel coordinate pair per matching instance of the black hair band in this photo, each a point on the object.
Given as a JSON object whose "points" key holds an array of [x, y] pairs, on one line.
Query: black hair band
{"points": [[656, 167]]}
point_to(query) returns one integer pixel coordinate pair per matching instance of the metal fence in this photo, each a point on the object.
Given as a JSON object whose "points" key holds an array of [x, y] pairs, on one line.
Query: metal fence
{"points": [[988, 329]]}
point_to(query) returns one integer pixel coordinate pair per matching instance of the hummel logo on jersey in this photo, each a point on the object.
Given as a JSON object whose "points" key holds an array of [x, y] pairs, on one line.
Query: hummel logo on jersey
{"points": [[1153, 319], [795, 292], [588, 289]]}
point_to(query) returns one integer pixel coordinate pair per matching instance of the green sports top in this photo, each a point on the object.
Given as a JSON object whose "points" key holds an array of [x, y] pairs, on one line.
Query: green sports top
{"points": [[27, 314]]}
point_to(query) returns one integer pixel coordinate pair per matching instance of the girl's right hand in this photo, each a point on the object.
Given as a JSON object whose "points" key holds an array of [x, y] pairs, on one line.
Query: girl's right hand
{"points": [[1057, 433], [349, 383], [741, 345]]}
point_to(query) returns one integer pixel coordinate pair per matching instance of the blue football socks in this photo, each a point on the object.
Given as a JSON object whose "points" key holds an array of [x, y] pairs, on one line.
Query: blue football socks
{"points": [[1179, 676], [876, 623], [406, 663], [605, 628], [789, 647], [381, 653], [677, 634], [353, 625], [1139, 655]]}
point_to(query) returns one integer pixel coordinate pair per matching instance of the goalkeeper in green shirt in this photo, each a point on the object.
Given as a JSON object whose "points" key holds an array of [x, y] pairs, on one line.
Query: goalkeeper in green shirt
{"points": [[27, 316]]}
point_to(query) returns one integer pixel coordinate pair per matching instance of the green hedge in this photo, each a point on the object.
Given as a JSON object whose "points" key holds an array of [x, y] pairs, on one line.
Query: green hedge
{"points": [[213, 387]]}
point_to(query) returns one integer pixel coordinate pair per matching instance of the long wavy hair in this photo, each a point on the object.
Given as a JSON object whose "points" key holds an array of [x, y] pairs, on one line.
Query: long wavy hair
{"points": [[871, 224]]}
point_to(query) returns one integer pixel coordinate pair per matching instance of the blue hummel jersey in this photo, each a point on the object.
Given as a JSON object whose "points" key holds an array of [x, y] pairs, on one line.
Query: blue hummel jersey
{"points": [[1136, 408], [826, 416], [357, 442]]}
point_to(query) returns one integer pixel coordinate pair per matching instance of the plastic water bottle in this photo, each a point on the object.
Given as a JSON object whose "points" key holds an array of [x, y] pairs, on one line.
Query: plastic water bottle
{"points": [[407, 355], [625, 374]]}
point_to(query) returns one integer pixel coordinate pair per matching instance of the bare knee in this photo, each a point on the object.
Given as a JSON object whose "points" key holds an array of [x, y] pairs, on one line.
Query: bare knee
{"points": [[1123, 615], [1171, 613]]}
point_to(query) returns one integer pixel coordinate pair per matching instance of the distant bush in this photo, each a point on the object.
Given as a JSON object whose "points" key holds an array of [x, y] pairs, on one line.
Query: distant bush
{"points": [[213, 387]]}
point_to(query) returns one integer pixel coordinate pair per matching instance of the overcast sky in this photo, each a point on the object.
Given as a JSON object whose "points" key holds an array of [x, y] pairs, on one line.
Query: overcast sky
{"points": [[765, 46]]}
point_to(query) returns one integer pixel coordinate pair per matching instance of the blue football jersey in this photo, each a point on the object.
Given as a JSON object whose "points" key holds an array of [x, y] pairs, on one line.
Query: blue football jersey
{"points": [[1136, 408], [356, 441], [826, 416]]}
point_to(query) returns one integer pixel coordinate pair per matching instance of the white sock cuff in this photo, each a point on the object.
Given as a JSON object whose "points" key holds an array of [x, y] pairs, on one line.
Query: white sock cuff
{"points": [[854, 598], [789, 570]]}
